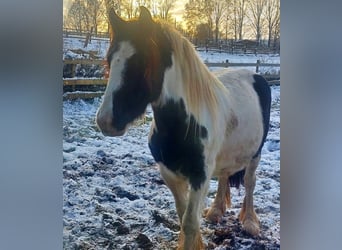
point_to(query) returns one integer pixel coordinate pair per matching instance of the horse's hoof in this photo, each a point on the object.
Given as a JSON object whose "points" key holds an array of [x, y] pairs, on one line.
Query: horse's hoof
{"points": [[214, 215], [251, 227], [192, 243]]}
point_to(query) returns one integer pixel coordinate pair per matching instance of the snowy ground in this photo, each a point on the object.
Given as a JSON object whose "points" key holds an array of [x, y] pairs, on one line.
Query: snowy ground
{"points": [[114, 197]]}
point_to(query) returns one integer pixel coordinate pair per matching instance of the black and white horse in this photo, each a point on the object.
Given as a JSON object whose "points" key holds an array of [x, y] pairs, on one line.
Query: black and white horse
{"points": [[204, 125]]}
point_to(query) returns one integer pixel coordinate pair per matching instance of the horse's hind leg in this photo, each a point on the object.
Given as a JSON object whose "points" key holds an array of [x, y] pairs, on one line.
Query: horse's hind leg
{"points": [[221, 202], [248, 217]]}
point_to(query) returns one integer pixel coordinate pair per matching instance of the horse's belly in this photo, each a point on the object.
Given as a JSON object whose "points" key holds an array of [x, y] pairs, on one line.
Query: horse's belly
{"points": [[236, 153]]}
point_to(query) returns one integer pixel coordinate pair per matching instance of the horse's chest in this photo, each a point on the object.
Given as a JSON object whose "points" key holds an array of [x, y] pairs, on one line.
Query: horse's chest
{"points": [[175, 141]]}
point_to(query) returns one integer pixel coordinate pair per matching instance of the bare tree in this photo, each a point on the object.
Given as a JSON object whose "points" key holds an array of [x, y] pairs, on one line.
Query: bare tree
{"points": [[96, 13], [256, 9], [76, 16], [239, 14], [207, 11], [164, 8], [192, 16], [272, 15], [128, 8], [86, 15], [219, 7], [227, 18], [198, 12]]}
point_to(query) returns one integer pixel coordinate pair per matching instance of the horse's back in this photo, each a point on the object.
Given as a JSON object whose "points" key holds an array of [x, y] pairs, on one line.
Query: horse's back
{"points": [[247, 87], [230, 77], [242, 97]]}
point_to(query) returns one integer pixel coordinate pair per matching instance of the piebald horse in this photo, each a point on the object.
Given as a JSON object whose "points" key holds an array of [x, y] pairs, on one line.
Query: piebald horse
{"points": [[205, 125]]}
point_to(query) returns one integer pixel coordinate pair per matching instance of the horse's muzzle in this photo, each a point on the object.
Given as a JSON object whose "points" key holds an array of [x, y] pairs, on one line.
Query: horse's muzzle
{"points": [[112, 132], [104, 123]]}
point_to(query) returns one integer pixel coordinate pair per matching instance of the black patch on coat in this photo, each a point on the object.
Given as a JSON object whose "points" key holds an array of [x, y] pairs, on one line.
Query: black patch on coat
{"points": [[263, 90], [131, 100], [176, 142], [143, 73]]}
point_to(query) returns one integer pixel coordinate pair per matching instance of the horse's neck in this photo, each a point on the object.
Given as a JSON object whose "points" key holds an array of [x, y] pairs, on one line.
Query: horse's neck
{"points": [[172, 88]]}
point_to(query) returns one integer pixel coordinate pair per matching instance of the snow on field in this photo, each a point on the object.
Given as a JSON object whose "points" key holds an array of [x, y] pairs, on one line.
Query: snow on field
{"points": [[114, 197], [100, 46], [215, 57]]}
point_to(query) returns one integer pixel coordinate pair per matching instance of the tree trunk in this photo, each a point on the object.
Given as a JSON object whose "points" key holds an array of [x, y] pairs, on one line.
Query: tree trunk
{"points": [[216, 31], [269, 37]]}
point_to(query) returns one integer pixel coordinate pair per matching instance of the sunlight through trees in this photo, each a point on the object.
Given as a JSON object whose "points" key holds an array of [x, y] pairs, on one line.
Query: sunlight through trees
{"points": [[200, 20]]}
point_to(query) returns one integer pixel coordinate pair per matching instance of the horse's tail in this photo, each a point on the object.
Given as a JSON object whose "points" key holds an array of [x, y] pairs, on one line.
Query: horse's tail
{"points": [[236, 179], [263, 90]]}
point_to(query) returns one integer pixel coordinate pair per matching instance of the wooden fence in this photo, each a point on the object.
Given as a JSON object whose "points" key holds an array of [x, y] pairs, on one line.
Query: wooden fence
{"points": [[76, 33], [257, 65], [73, 82], [230, 46], [83, 81], [239, 49]]}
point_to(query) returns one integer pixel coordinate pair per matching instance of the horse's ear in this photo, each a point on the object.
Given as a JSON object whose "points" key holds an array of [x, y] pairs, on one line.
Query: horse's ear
{"points": [[145, 16], [115, 21]]}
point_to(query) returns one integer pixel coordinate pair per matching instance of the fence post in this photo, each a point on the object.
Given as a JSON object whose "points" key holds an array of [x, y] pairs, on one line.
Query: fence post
{"points": [[257, 66]]}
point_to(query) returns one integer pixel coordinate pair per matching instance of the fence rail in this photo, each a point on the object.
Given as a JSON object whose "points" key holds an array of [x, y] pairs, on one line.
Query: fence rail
{"points": [[258, 64], [209, 64], [84, 81], [73, 32], [85, 61], [73, 82]]}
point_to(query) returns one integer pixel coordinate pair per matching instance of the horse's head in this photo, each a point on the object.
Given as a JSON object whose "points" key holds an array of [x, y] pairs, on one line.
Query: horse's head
{"points": [[138, 56]]}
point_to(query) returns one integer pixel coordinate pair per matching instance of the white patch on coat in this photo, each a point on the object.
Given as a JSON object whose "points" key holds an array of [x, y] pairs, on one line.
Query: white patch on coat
{"points": [[173, 84], [104, 115]]}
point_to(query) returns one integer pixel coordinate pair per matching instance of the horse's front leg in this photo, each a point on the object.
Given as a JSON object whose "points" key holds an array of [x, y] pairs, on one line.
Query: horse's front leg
{"points": [[179, 188], [190, 235]]}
